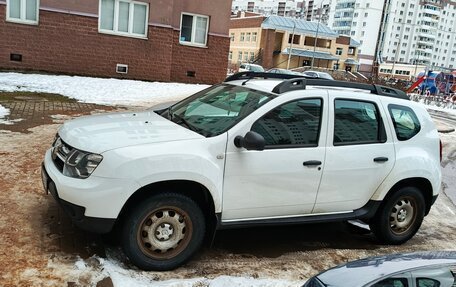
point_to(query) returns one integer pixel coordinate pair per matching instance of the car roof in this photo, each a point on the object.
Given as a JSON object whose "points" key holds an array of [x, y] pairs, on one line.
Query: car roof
{"points": [[365, 271]]}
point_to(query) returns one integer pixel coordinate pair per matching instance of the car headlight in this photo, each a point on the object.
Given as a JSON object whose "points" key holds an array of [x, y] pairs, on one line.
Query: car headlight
{"points": [[80, 164]]}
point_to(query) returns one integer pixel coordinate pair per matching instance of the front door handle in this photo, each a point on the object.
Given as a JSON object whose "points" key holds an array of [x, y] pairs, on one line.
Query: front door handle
{"points": [[380, 159], [311, 163]]}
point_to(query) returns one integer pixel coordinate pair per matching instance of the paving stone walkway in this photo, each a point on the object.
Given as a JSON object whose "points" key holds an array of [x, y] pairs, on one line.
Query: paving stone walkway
{"points": [[30, 111]]}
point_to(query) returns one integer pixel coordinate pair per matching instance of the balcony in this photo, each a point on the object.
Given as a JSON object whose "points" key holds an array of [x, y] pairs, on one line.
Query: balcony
{"points": [[432, 12], [426, 43], [425, 52], [428, 33]]}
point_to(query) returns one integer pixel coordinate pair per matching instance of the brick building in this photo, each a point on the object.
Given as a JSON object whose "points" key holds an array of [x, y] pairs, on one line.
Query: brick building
{"points": [[268, 41], [173, 40]]}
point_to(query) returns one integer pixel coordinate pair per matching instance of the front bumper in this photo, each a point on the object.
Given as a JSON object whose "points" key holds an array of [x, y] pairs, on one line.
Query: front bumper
{"points": [[93, 203], [76, 212]]}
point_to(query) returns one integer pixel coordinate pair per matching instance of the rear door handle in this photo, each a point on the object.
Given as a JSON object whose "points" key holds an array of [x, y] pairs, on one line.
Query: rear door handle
{"points": [[380, 159], [311, 163]]}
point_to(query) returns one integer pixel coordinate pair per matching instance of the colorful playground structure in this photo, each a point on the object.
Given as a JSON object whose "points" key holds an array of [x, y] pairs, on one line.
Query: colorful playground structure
{"points": [[435, 82]]}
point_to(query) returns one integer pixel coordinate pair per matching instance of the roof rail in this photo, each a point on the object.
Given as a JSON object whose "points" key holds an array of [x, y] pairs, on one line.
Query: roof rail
{"points": [[300, 84], [250, 75], [294, 82]]}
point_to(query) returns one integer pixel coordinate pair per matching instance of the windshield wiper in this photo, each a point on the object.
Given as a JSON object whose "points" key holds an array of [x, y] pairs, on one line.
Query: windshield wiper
{"points": [[181, 120]]}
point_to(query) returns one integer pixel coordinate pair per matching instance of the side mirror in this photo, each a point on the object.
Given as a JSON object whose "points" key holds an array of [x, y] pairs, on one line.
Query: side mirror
{"points": [[251, 141]]}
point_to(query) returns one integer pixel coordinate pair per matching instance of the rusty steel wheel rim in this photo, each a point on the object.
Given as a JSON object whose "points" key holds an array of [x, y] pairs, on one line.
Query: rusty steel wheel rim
{"points": [[403, 215], [164, 233]]}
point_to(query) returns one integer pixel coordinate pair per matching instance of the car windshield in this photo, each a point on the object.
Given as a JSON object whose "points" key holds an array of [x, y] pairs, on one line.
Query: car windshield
{"points": [[214, 110]]}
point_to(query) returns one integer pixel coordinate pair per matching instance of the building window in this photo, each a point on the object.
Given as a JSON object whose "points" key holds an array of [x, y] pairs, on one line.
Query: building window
{"points": [[252, 56], [232, 37], [247, 37], [194, 29], [242, 37], [296, 39], [127, 18], [339, 51], [254, 36], [230, 56], [240, 56], [22, 11]]}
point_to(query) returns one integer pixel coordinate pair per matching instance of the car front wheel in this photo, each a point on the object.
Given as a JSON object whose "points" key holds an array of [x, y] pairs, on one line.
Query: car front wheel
{"points": [[163, 232], [400, 217]]}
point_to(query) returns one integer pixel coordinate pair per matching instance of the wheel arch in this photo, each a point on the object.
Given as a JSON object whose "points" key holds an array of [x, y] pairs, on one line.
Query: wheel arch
{"points": [[422, 184], [192, 189]]}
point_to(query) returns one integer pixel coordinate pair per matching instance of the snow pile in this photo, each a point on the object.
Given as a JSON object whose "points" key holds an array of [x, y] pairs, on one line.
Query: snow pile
{"points": [[4, 112], [97, 90]]}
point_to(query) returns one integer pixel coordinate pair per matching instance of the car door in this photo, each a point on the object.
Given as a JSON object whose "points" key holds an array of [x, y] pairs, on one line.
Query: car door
{"points": [[282, 179], [360, 152]]}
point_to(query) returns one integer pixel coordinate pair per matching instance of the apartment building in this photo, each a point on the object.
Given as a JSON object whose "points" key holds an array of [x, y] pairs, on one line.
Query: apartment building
{"points": [[415, 32], [281, 42], [361, 20], [175, 40], [289, 8], [318, 11], [421, 32]]}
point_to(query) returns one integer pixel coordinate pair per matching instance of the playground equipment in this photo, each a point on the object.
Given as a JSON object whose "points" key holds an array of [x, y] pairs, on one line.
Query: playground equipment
{"points": [[435, 82]]}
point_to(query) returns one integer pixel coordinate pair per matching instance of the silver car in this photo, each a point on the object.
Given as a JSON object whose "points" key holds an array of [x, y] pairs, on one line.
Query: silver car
{"points": [[419, 269]]}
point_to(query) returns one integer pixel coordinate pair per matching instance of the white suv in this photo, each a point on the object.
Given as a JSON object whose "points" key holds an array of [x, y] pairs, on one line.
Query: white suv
{"points": [[258, 149]]}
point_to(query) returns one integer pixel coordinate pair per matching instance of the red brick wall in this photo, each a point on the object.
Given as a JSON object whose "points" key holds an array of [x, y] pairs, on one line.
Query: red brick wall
{"points": [[209, 64], [71, 44], [250, 22]]}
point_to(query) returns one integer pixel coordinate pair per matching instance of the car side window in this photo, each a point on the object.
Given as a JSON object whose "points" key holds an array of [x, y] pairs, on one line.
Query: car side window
{"points": [[294, 124], [357, 122], [392, 282], [427, 282], [406, 123]]}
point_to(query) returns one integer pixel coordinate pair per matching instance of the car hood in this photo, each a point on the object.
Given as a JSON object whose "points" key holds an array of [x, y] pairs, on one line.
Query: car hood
{"points": [[105, 132]]}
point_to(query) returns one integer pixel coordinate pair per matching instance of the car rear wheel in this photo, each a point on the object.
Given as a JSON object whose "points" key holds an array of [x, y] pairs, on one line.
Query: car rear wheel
{"points": [[400, 217], [163, 232]]}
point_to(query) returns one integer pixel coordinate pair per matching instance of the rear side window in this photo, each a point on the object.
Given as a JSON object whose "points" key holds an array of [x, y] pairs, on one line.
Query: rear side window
{"points": [[405, 122], [357, 122], [427, 282]]}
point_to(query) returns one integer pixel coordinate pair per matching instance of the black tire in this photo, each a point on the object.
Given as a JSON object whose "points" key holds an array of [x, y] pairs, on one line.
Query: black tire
{"points": [[163, 232], [400, 217]]}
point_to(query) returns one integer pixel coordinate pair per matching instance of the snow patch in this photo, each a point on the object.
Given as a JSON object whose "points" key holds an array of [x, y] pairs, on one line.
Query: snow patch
{"points": [[4, 112], [97, 90], [121, 276]]}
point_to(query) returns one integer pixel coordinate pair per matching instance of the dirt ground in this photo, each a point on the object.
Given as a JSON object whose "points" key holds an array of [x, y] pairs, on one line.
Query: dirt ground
{"points": [[40, 247]]}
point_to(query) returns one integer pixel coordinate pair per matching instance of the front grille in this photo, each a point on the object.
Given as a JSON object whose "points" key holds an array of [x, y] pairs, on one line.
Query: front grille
{"points": [[60, 153]]}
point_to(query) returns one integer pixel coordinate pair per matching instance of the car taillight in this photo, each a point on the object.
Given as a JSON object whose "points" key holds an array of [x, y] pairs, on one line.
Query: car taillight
{"points": [[441, 149]]}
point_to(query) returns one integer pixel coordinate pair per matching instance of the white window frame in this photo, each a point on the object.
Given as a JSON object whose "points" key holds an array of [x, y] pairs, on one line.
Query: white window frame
{"points": [[254, 36], [192, 43], [115, 30], [22, 19]]}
